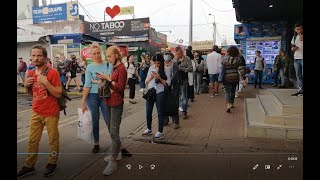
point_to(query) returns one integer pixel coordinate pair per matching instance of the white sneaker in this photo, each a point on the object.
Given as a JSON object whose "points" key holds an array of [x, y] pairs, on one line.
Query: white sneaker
{"points": [[180, 109], [141, 90], [109, 158], [111, 167], [212, 96], [147, 132], [237, 94], [159, 135]]}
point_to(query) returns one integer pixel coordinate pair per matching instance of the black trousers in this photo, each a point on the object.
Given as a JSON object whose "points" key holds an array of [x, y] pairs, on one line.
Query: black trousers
{"points": [[132, 88], [258, 75], [276, 77], [191, 92]]}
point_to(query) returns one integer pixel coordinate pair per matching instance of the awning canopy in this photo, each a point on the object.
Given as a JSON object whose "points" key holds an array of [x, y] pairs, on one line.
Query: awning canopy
{"points": [[71, 38], [268, 10]]}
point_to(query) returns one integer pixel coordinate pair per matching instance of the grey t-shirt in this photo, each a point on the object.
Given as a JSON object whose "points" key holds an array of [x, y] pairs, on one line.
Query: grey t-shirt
{"points": [[259, 63]]}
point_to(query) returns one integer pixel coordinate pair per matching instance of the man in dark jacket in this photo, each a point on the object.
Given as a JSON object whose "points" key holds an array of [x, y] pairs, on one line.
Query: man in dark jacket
{"points": [[185, 66]]}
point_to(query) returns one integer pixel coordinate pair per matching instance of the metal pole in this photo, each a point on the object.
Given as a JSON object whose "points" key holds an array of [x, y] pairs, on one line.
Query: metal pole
{"points": [[190, 25], [214, 33], [214, 28]]}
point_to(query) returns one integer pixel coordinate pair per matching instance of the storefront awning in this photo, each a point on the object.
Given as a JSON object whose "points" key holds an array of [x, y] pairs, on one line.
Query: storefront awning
{"points": [[71, 38], [266, 10]]}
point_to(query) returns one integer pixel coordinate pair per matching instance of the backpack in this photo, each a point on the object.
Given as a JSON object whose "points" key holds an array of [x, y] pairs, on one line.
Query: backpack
{"points": [[68, 67], [62, 101], [146, 69], [229, 72], [204, 87], [255, 59], [25, 67], [74, 65]]}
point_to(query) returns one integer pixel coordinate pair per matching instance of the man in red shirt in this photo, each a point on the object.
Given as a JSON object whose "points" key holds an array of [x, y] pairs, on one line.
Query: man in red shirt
{"points": [[45, 91]]}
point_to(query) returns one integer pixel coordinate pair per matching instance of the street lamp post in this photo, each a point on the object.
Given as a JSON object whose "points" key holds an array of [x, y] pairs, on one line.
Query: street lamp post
{"points": [[214, 28], [190, 21]]}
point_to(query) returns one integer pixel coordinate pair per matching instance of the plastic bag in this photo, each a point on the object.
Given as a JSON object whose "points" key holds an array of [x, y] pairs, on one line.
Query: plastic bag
{"points": [[85, 126]]}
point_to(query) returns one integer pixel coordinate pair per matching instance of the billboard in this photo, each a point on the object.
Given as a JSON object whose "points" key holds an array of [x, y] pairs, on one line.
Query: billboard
{"points": [[55, 13], [201, 45], [126, 10], [157, 39], [130, 27], [260, 29], [85, 52]]}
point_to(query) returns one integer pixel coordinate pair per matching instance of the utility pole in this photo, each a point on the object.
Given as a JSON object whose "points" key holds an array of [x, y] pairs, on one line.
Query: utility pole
{"points": [[224, 40], [214, 28], [214, 33], [190, 24]]}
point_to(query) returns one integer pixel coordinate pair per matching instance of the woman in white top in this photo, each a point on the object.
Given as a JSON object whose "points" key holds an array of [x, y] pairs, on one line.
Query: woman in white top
{"points": [[132, 75], [156, 78]]}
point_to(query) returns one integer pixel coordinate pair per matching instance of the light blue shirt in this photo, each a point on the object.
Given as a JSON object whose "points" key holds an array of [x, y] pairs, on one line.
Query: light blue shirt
{"points": [[159, 87], [91, 71]]}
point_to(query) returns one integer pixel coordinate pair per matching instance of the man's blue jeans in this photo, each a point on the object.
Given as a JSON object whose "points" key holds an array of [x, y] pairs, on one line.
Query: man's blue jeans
{"points": [[94, 101], [184, 96], [143, 79], [197, 82], [298, 67]]}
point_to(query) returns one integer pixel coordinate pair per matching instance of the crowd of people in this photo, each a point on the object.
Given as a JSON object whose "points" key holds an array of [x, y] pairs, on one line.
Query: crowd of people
{"points": [[176, 77]]}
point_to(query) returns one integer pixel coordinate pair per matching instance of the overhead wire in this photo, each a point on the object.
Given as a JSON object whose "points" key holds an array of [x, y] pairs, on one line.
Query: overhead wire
{"points": [[94, 3], [215, 8], [87, 13]]}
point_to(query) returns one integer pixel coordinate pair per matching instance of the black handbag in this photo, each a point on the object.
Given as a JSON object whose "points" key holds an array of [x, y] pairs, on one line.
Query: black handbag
{"points": [[171, 107], [104, 89], [150, 95]]}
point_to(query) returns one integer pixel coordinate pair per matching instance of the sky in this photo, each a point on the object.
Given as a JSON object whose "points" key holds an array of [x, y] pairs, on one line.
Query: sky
{"points": [[171, 15]]}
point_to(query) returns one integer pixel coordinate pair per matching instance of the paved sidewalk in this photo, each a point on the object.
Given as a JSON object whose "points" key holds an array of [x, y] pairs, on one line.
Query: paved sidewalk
{"points": [[210, 144]]}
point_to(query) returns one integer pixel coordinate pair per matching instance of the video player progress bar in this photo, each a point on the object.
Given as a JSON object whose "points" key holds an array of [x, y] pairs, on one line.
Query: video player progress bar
{"points": [[61, 153]]}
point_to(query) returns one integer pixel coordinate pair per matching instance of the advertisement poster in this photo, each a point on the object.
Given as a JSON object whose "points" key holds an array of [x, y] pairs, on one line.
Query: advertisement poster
{"points": [[261, 29], [202, 45], [268, 38], [157, 39], [85, 51], [126, 10], [124, 51], [105, 30], [267, 76], [269, 48], [55, 13]]}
